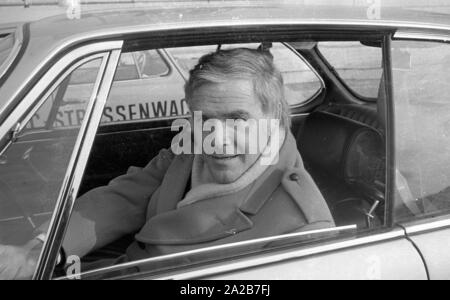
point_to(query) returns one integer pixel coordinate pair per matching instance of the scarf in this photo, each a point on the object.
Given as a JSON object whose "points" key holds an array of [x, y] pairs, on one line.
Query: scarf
{"points": [[203, 187]]}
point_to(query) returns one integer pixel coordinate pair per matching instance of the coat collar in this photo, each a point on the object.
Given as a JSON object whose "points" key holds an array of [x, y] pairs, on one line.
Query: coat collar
{"points": [[213, 218]]}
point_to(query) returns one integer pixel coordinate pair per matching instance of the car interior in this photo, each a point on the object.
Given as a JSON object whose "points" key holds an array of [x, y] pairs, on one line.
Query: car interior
{"points": [[340, 136]]}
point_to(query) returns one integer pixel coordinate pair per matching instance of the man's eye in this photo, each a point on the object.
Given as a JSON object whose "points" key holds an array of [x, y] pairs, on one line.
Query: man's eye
{"points": [[241, 119]]}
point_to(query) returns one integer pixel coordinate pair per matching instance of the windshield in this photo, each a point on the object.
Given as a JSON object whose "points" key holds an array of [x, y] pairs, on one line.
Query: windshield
{"points": [[6, 46]]}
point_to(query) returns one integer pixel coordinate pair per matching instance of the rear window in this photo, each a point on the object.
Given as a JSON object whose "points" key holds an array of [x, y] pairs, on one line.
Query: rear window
{"points": [[301, 83], [358, 66], [6, 46]]}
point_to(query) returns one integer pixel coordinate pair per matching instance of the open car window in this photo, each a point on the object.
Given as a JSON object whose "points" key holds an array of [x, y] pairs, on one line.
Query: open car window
{"points": [[344, 158]]}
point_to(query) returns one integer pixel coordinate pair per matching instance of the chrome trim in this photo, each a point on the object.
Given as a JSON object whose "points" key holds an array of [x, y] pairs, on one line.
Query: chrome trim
{"points": [[322, 82], [256, 261], [300, 115], [288, 255], [144, 28], [214, 248], [423, 226], [412, 35], [33, 96], [18, 42]]}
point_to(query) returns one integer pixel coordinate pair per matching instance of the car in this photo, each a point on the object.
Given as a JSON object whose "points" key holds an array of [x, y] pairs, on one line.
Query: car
{"points": [[83, 100]]}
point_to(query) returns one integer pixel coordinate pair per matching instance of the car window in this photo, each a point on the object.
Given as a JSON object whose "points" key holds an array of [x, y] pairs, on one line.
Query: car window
{"points": [[33, 168], [421, 74], [158, 93], [151, 63], [137, 192], [301, 82], [358, 66], [85, 74], [127, 68]]}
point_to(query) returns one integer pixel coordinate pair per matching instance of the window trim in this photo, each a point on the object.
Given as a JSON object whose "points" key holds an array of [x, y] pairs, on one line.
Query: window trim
{"points": [[333, 71], [426, 224]]}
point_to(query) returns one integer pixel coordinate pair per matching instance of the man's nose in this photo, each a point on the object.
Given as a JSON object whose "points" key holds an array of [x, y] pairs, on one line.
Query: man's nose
{"points": [[223, 134]]}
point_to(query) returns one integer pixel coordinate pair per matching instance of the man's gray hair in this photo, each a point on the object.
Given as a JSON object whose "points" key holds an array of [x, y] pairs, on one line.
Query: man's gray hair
{"points": [[247, 64]]}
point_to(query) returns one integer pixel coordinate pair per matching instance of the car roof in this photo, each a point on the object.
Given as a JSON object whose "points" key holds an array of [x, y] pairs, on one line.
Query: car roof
{"points": [[51, 33], [207, 14]]}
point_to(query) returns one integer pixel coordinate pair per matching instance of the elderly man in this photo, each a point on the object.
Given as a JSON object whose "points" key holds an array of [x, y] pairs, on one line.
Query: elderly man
{"points": [[187, 201]]}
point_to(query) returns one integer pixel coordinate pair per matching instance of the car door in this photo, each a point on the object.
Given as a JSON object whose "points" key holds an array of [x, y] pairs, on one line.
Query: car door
{"points": [[421, 77]]}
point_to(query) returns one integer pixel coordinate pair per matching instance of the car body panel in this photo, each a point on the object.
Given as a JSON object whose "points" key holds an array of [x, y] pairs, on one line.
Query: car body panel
{"points": [[434, 248], [432, 237], [391, 260]]}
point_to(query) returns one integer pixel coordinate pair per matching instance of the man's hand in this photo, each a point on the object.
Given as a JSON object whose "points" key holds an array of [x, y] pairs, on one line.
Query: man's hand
{"points": [[18, 262]]}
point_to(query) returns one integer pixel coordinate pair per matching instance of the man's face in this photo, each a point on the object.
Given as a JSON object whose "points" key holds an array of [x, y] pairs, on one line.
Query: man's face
{"points": [[234, 100]]}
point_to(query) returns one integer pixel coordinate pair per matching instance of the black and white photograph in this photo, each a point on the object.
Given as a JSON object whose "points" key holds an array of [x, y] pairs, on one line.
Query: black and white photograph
{"points": [[224, 145]]}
